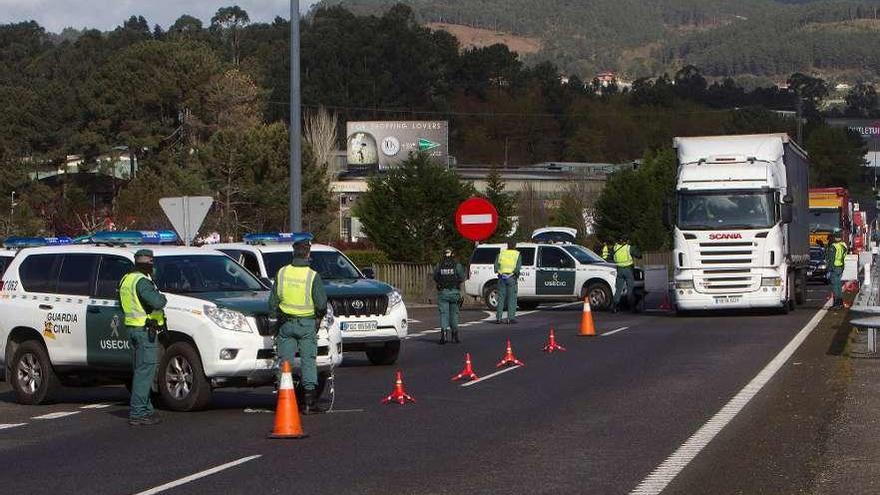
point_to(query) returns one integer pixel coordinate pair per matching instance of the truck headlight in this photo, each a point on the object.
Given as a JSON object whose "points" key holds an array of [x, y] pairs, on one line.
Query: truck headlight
{"points": [[228, 319], [394, 298], [684, 284], [771, 282]]}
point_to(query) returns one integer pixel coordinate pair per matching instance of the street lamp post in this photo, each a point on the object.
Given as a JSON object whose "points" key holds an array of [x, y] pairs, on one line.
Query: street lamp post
{"points": [[11, 213], [295, 133]]}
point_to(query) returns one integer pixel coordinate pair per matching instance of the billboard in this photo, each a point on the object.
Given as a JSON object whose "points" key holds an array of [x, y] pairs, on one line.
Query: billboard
{"points": [[380, 145]]}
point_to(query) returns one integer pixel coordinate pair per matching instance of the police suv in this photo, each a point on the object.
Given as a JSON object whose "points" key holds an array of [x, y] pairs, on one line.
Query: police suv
{"points": [[370, 314], [551, 272], [61, 322]]}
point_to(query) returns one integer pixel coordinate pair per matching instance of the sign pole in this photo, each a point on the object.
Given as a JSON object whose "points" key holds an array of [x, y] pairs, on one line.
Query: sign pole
{"points": [[295, 122]]}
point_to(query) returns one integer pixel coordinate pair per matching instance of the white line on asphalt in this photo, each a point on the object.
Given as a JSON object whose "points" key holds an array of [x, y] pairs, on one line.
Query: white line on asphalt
{"points": [[501, 372], [614, 331], [95, 406], [202, 474], [657, 481], [14, 425], [56, 415], [414, 321]]}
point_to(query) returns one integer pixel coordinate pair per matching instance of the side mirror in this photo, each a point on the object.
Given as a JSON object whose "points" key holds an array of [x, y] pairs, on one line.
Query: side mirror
{"points": [[369, 272], [667, 215], [787, 213], [787, 199]]}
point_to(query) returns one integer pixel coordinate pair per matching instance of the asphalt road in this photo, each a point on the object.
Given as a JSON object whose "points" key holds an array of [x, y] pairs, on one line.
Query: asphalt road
{"points": [[597, 418]]}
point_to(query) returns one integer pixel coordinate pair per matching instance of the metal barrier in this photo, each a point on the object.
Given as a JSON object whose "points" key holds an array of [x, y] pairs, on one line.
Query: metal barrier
{"points": [[413, 280], [866, 302]]}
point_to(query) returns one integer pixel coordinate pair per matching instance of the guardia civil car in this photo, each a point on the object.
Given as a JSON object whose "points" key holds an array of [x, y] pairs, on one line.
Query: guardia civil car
{"points": [[61, 322], [371, 314]]}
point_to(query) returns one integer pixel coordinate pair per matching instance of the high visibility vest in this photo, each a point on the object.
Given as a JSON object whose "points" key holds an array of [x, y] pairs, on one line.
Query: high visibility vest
{"points": [[294, 289], [839, 253], [605, 252], [622, 256], [507, 261], [135, 314]]}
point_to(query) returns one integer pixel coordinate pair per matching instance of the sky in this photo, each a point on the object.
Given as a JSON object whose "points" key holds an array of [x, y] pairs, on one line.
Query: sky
{"points": [[55, 15]]}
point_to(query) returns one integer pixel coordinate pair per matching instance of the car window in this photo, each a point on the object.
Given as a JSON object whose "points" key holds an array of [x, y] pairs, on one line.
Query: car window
{"points": [[485, 256], [527, 254], [39, 273], [192, 274], [77, 274], [4, 263], [250, 262], [110, 273], [583, 254], [553, 257]]}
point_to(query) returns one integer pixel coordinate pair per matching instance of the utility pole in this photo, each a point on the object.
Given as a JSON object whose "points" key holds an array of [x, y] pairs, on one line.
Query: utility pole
{"points": [[295, 122], [11, 212]]}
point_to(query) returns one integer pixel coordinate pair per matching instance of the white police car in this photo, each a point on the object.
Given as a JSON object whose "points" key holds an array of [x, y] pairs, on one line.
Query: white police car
{"points": [[61, 323], [370, 314], [12, 245]]}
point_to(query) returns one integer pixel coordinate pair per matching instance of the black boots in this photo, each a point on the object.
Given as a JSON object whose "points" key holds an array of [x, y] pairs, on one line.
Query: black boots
{"points": [[442, 336], [455, 336], [312, 406]]}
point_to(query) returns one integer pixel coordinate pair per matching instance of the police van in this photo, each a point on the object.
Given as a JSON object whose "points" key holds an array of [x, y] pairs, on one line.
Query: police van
{"points": [[370, 314], [61, 322], [551, 272]]}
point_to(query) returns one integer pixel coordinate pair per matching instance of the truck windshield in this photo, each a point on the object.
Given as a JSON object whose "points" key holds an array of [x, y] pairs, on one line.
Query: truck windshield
{"points": [[191, 274], [330, 265], [726, 210], [824, 220]]}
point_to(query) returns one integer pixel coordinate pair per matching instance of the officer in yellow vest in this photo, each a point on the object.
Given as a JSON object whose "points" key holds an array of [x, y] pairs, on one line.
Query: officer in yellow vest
{"points": [[142, 306], [299, 301], [623, 253], [835, 255], [507, 268], [606, 252]]}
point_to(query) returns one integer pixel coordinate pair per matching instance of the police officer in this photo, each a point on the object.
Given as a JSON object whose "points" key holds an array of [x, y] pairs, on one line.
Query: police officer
{"points": [[507, 268], [606, 252], [623, 253], [835, 255], [142, 306], [449, 274], [299, 301]]}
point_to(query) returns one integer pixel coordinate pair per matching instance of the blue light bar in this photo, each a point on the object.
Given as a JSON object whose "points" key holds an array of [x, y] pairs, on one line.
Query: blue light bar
{"points": [[278, 237], [26, 242], [134, 237]]}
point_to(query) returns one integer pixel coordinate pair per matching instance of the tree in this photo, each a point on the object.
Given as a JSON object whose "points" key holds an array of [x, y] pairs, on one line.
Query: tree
{"points": [[229, 22], [505, 204], [837, 157], [320, 134], [576, 207], [531, 211], [410, 212], [861, 101]]}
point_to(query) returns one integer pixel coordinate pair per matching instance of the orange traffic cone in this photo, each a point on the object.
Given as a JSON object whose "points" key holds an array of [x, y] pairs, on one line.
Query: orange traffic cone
{"points": [[552, 345], [399, 394], [509, 358], [287, 423], [587, 328], [468, 371]]}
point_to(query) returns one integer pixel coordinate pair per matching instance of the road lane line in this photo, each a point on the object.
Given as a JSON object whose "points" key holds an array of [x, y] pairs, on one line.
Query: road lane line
{"points": [[13, 425], [613, 332], [478, 380], [199, 475], [95, 406], [657, 481], [56, 415]]}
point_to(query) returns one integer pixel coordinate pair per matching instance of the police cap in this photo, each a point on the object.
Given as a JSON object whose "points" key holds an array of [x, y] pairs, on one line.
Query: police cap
{"points": [[143, 256]]}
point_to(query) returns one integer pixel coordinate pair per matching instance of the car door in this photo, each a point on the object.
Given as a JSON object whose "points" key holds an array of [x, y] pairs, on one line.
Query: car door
{"points": [[526, 285], [555, 273], [108, 343], [66, 312]]}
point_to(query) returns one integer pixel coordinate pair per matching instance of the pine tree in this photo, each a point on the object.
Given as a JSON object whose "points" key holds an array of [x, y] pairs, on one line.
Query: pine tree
{"points": [[505, 204]]}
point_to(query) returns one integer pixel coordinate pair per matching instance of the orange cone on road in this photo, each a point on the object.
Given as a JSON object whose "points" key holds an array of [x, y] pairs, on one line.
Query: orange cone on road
{"points": [[399, 394], [552, 345], [587, 328], [468, 371], [287, 423], [509, 358]]}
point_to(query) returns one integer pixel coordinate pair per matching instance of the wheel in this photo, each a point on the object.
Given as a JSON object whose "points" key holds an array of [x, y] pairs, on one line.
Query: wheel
{"points": [[490, 295], [384, 356], [182, 382], [33, 378], [800, 296], [528, 305], [599, 294]]}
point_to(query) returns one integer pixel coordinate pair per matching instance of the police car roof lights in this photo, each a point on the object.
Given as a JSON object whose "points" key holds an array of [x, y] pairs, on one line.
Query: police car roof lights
{"points": [[134, 237], [26, 242], [277, 237]]}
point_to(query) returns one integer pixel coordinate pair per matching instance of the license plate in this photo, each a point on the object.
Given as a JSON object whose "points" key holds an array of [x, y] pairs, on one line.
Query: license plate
{"points": [[358, 326], [727, 299]]}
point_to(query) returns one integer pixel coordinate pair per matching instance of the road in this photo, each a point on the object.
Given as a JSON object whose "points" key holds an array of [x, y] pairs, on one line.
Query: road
{"points": [[598, 418]]}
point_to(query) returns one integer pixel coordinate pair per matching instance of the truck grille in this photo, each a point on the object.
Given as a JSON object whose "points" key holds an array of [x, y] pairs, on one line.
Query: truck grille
{"points": [[725, 281], [359, 306], [726, 253]]}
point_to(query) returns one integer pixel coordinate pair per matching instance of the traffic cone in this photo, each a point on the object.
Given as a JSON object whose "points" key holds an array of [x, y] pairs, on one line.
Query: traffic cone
{"points": [[587, 328], [509, 358], [666, 305], [287, 423], [468, 371], [552, 345], [399, 394]]}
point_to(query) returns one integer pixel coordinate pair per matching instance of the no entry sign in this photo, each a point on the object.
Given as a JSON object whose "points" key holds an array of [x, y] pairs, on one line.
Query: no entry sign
{"points": [[476, 219]]}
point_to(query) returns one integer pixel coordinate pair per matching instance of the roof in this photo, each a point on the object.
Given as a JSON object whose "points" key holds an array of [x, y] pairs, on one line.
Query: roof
{"points": [[280, 247], [127, 251], [763, 147]]}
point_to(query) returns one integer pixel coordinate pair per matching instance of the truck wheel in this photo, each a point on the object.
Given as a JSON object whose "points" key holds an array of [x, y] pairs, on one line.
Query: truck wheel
{"points": [[599, 294], [490, 295], [384, 356], [33, 378], [182, 382]]}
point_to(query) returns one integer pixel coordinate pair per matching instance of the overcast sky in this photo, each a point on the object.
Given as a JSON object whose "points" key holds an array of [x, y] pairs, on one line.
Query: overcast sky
{"points": [[105, 15]]}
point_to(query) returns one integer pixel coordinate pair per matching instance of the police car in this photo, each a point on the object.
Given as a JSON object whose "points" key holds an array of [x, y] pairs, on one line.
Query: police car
{"points": [[12, 245], [371, 314], [551, 272], [61, 323]]}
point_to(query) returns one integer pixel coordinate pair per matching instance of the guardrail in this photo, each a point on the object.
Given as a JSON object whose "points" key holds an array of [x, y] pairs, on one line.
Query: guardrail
{"points": [[867, 302]]}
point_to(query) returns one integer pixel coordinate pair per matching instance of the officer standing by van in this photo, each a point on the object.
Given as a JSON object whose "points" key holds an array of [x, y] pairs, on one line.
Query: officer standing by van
{"points": [[449, 274], [835, 256], [299, 301], [623, 253], [507, 268], [142, 306]]}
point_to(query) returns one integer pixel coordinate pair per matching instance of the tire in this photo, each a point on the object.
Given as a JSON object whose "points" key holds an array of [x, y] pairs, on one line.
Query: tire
{"points": [[384, 356], [32, 376], [490, 295], [599, 294], [182, 382], [528, 305]]}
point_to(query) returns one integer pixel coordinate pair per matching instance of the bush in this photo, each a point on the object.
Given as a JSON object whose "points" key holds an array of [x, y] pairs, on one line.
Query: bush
{"points": [[367, 257]]}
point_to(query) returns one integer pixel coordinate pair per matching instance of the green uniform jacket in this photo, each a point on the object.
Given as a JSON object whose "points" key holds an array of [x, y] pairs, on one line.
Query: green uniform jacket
{"points": [[150, 297], [319, 295]]}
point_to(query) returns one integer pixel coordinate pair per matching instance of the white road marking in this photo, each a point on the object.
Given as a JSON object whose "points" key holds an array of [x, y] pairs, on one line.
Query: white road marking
{"points": [[193, 477], [613, 332], [657, 481], [414, 321], [56, 415], [343, 411], [501, 372], [13, 425], [95, 406]]}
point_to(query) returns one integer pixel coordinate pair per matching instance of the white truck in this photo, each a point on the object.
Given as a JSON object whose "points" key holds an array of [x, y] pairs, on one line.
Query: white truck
{"points": [[741, 231]]}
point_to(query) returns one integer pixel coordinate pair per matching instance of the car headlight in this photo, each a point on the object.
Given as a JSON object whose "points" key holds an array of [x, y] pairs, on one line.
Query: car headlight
{"points": [[394, 298], [684, 284], [228, 319], [328, 320], [771, 281], [823, 266]]}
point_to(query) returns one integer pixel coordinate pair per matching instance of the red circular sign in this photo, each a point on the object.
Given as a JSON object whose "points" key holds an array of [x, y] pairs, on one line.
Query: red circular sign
{"points": [[476, 219]]}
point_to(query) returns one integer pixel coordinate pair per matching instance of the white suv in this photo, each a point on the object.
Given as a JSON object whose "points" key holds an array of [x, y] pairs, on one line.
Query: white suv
{"points": [[370, 314], [61, 323]]}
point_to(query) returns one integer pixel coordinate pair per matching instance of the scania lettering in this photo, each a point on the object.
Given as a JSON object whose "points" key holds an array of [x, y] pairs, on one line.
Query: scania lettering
{"points": [[741, 223]]}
